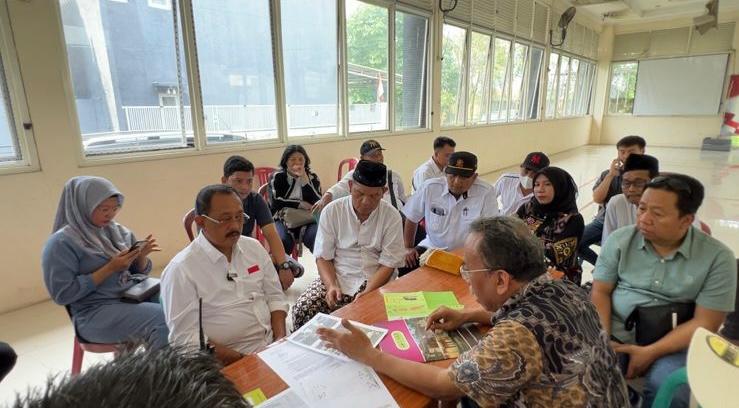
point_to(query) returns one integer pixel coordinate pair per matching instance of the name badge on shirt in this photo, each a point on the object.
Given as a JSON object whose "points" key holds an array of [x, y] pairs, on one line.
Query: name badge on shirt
{"points": [[438, 211], [252, 269]]}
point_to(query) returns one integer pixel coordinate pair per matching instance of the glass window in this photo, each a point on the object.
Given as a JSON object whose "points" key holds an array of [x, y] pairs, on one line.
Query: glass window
{"points": [[411, 37], [452, 75], [236, 70], [8, 141], [533, 83], [562, 80], [121, 61], [515, 108], [623, 87], [500, 82], [572, 85], [478, 83], [367, 62], [552, 76], [311, 65], [582, 95]]}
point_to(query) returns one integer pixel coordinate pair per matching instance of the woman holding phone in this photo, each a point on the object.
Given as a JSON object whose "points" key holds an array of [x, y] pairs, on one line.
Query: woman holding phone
{"points": [[294, 186], [88, 262]]}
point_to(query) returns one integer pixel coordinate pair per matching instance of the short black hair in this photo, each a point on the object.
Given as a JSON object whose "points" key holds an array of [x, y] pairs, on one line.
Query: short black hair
{"points": [[689, 191], [236, 163], [632, 140], [205, 196], [169, 377], [442, 141], [507, 244], [289, 150]]}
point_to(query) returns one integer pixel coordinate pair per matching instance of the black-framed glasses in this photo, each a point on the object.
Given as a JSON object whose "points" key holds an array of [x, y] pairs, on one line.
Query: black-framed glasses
{"points": [[639, 184], [673, 183]]}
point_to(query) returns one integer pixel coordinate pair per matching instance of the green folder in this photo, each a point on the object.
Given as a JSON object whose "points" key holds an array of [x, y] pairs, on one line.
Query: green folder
{"points": [[417, 304]]}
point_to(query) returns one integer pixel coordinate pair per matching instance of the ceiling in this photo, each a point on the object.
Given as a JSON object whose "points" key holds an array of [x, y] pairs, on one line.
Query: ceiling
{"points": [[633, 11]]}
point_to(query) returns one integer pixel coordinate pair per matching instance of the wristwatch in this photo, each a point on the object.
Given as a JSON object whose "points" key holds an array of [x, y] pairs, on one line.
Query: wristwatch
{"points": [[284, 265]]}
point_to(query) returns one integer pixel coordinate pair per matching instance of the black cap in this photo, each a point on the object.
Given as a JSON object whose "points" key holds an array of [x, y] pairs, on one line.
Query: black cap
{"points": [[370, 174], [535, 161], [641, 162], [462, 164], [369, 146]]}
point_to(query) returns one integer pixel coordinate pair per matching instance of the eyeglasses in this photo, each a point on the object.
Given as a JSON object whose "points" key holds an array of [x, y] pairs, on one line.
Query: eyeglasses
{"points": [[239, 218], [672, 183], [466, 273], [639, 184]]}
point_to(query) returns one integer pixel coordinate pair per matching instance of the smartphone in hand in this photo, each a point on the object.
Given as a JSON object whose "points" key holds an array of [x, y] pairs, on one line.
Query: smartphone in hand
{"points": [[137, 244]]}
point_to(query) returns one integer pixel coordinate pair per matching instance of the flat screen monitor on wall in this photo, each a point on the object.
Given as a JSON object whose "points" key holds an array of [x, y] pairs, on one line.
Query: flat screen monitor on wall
{"points": [[680, 86]]}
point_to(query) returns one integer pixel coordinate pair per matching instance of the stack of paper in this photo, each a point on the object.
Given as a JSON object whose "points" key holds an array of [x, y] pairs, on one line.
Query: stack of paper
{"points": [[324, 381], [417, 304]]}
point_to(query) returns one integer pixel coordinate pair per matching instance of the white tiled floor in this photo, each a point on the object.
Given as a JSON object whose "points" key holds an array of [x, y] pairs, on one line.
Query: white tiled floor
{"points": [[42, 334]]}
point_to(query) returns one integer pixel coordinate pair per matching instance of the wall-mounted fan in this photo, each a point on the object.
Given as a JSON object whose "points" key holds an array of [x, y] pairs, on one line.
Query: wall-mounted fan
{"points": [[564, 21]]}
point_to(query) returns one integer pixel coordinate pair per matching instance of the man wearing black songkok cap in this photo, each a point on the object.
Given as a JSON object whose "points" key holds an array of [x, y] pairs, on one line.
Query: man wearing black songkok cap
{"points": [[637, 170], [358, 246]]}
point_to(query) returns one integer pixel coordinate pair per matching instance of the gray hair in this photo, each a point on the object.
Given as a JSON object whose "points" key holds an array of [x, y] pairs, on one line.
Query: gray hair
{"points": [[507, 244]]}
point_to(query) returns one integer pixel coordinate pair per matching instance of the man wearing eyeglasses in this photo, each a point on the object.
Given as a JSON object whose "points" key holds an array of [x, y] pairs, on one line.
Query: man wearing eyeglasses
{"points": [[637, 170], [668, 277], [243, 306], [546, 347]]}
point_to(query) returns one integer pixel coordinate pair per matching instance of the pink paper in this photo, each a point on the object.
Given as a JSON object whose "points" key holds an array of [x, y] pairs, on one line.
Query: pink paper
{"points": [[399, 341]]}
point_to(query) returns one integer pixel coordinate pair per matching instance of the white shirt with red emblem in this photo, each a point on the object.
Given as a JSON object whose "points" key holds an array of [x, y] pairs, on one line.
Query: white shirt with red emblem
{"points": [[238, 297]]}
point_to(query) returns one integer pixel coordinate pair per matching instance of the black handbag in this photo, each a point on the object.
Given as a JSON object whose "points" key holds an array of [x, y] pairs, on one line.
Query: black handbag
{"points": [[141, 291], [654, 322]]}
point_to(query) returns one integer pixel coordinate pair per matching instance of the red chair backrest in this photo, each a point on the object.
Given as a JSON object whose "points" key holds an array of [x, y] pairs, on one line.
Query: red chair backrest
{"points": [[705, 228], [187, 222], [263, 174], [351, 164]]}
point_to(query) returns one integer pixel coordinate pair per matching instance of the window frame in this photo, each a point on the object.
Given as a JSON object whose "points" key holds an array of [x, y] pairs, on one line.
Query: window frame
{"points": [[199, 134], [582, 61], [19, 115], [610, 79]]}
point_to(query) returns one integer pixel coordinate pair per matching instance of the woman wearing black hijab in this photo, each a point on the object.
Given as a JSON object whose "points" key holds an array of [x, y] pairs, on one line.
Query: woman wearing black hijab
{"points": [[552, 216]]}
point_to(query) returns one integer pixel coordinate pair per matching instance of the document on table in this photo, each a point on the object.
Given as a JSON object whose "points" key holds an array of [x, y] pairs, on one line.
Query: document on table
{"points": [[324, 381], [306, 336], [417, 304], [286, 399]]}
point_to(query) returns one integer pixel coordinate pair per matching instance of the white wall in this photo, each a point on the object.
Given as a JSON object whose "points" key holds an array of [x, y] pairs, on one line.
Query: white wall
{"points": [[158, 192], [674, 131]]}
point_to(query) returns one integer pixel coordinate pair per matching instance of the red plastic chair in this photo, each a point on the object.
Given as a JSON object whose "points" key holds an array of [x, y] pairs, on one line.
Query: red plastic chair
{"points": [[81, 346], [263, 174], [187, 222], [705, 228], [351, 164]]}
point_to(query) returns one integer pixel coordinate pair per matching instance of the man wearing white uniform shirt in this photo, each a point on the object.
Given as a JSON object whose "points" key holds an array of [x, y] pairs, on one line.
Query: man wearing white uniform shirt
{"points": [[358, 246], [243, 306], [515, 189], [449, 205], [370, 151], [434, 167]]}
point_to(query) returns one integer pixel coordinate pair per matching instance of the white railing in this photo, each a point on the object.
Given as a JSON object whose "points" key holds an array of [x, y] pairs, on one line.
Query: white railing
{"points": [[249, 118]]}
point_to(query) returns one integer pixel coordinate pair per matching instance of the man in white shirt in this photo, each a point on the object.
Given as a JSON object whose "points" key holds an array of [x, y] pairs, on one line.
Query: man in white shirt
{"points": [[358, 246], [636, 172], [515, 189], [434, 167], [370, 151], [243, 306], [449, 205]]}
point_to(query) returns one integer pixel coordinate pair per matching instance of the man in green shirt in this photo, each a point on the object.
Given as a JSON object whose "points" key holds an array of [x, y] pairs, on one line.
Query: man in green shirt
{"points": [[660, 260]]}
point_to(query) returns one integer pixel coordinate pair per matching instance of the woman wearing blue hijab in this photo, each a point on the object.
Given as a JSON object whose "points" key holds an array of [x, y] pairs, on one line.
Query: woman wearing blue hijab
{"points": [[87, 266]]}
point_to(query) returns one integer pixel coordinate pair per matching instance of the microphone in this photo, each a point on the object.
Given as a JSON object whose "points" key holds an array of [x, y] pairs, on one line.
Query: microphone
{"points": [[204, 346]]}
